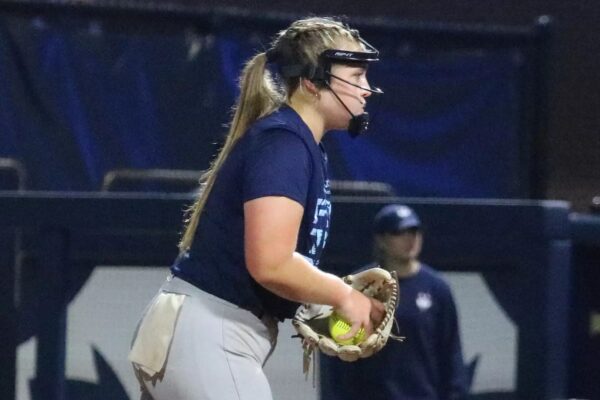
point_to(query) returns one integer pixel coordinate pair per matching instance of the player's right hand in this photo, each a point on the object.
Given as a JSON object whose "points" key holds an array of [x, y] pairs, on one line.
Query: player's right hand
{"points": [[361, 312]]}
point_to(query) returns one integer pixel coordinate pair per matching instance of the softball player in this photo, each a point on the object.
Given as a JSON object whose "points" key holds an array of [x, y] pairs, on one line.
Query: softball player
{"points": [[251, 248]]}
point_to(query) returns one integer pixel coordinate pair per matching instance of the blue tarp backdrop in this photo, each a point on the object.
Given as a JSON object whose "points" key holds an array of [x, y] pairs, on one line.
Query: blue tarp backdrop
{"points": [[79, 97]]}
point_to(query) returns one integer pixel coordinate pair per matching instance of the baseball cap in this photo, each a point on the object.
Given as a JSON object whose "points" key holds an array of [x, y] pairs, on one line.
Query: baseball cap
{"points": [[395, 218]]}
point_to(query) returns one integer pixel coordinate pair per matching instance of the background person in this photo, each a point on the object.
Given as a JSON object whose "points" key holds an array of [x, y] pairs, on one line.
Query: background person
{"points": [[428, 365]]}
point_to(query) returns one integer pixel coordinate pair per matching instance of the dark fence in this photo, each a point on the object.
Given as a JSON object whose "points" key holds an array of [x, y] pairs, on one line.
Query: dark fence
{"points": [[524, 245]]}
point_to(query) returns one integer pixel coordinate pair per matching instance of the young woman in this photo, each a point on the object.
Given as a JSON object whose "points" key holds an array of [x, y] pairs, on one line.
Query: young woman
{"points": [[252, 243]]}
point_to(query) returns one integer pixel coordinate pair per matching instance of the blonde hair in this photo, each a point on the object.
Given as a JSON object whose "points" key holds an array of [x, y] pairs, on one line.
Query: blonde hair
{"points": [[260, 94]]}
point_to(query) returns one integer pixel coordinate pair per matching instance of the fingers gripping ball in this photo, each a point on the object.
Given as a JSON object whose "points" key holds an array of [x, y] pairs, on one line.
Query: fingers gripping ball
{"points": [[339, 327], [317, 324]]}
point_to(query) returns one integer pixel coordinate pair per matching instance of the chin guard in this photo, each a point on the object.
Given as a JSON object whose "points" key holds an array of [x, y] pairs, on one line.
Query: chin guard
{"points": [[358, 124]]}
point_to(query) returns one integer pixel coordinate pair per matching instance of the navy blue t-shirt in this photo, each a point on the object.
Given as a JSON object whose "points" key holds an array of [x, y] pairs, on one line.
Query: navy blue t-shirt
{"points": [[277, 156], [428, 365]]}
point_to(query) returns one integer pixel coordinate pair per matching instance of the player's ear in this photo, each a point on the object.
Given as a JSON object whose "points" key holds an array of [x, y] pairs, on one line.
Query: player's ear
{"points": [[310, 87]]}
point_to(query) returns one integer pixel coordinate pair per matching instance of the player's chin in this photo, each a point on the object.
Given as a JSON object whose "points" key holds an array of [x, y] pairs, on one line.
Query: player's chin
{"points": [[358, 111]]}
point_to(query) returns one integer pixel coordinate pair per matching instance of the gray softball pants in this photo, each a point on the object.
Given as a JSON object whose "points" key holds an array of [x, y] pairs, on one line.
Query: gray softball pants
{"points": [[217, 351]]}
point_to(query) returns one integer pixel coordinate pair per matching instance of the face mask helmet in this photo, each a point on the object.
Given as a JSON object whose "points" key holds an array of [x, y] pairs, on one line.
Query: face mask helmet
{"points": [[321, 75]]}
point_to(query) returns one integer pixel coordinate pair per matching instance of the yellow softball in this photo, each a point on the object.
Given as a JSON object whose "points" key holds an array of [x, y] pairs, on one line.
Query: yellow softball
{"points": [[339, 327]]}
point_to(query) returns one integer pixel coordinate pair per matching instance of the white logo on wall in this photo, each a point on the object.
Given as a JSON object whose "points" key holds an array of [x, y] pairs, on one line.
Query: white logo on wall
{"points": [[424, 301]]}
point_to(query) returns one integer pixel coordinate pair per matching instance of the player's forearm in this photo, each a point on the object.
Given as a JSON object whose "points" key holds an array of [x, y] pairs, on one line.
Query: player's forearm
{"points": [[297, 280]]}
